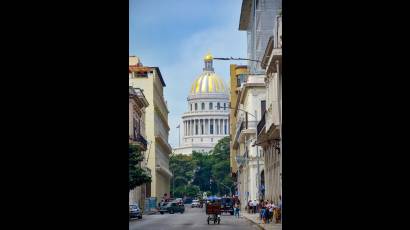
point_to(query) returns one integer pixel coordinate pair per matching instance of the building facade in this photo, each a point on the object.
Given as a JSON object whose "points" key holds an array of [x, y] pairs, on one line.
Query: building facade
{"points": [[136, 135], [258, 19], [237, 75], [270, 127], [250, 103], [156, 125], [207, 118]]}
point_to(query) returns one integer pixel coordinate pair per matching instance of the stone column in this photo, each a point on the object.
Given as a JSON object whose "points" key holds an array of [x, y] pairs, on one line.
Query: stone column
{"points": [[215, 126]]}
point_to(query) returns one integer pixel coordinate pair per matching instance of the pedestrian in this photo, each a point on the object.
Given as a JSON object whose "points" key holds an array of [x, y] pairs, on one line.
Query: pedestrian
{"points": [[254, 205], [267, 205], [271, 207], [280, 208], [236, 210], [250, 207], [262, 214]]}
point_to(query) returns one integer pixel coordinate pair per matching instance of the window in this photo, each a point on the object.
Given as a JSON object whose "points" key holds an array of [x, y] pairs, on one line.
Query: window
{"points": [[211, 127], [241, 78], [224, 106], [218, 106], [263, 106], [225, 128], [210, 106], [202, 127], [196, 106], [203, 106]]}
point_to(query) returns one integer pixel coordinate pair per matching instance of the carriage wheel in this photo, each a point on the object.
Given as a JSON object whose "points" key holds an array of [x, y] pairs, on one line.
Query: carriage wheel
{"points": [[208, 219]]}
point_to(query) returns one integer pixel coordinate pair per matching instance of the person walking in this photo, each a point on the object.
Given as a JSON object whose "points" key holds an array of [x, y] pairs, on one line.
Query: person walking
{"points": [[236, 210]]}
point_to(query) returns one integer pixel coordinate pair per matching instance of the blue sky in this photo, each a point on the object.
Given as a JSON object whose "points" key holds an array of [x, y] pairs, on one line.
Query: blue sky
{"points": [[174, 35]]}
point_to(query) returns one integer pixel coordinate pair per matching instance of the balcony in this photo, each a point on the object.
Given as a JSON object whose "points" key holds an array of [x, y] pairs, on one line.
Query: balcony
{"points": [[248, 127], [140, 141]]}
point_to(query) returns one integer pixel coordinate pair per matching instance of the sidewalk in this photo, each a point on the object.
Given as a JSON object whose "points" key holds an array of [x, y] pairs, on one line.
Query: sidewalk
{"points": [[255, 219]]}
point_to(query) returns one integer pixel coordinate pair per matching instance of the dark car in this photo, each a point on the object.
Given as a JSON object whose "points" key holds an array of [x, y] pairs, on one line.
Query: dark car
{"points": [[227, 205], [188, 200], [172, 207], [135, 211]]}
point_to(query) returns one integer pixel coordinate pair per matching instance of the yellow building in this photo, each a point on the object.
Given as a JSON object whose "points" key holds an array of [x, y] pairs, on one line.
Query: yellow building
{"points": [[156, 125], [237, 75]]}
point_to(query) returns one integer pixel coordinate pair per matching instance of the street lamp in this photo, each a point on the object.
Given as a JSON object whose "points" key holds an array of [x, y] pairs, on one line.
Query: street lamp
{"points": [[179, 135]]}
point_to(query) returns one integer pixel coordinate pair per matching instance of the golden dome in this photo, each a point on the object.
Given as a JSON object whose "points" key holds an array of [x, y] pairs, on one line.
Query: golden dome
{"points": [[208, 82], [208, 57]]}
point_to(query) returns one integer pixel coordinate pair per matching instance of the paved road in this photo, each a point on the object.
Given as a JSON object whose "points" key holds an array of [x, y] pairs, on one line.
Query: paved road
{"points": [[192, 218]]}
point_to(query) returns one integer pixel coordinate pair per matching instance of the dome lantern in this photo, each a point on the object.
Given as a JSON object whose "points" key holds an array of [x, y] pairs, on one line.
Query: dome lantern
{"points": [[208, 62]]}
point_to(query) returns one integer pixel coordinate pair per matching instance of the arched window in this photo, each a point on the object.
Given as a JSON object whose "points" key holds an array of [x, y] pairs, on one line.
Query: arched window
{"points": [[218, 106], [196, 106], [224, 106], [210, 106], [203, 106]]}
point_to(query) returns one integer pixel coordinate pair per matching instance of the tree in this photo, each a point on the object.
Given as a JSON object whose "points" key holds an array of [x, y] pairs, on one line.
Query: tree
{"points": [[136, 175], [182, 168], [202, 171]]}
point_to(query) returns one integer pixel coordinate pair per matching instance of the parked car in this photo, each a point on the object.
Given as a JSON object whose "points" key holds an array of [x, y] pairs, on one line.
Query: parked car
{"points": [[172, 207], [188, 200], [195, 204], [135, 211], [227, 205]]}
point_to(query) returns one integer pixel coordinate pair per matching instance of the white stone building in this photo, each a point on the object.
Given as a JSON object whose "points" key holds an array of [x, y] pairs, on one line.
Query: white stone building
{"points": [[269, 129], [206, 120], [248, 110]]}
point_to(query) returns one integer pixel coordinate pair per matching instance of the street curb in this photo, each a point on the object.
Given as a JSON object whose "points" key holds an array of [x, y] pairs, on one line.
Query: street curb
{"points": [[250, 220]]}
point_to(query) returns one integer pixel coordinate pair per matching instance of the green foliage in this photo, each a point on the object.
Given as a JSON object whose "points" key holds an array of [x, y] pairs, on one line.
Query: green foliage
{"points": [[193, 173], [136, 175]]}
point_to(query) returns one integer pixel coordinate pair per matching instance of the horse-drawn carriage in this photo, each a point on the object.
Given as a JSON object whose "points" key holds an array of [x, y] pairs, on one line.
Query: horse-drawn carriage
{"points": [[213, 210]]}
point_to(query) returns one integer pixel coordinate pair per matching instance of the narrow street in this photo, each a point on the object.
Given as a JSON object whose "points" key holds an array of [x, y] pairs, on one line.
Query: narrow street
{"points": [[192, 218]]}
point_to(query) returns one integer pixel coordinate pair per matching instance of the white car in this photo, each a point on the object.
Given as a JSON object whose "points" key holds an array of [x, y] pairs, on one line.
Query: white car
{"points": [[195, 204]]}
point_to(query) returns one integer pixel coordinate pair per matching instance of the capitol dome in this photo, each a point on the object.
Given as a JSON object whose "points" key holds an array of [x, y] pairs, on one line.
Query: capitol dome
{"points": [[206, 120], [208, 82]]}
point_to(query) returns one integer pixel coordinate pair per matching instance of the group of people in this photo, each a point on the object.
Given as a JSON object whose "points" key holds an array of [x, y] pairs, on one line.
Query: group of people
{"points": [[267, 210]]}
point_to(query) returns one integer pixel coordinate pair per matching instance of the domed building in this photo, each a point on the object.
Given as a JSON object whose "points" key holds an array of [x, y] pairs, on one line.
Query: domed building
{"points": [[206, 120]]}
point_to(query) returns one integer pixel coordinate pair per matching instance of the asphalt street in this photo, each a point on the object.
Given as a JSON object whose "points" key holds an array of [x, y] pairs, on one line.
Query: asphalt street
{"points": [[192, 218]]}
